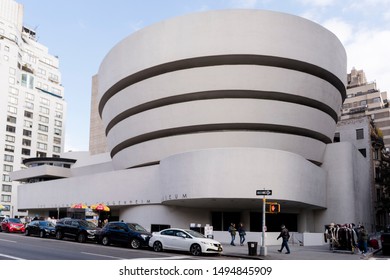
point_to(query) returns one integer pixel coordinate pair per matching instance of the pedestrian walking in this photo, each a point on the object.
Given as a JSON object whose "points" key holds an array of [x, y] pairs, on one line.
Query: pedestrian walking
{"points": [[362, 240], [241, 233], [233, 232], [285, 235]]}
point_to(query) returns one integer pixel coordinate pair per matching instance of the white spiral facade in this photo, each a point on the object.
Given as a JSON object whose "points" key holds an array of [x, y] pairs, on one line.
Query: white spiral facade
{"points": [[222, 79]]}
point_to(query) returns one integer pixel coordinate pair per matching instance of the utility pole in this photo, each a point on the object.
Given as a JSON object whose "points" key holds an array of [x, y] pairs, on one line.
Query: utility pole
{"points": [[263, 248]]}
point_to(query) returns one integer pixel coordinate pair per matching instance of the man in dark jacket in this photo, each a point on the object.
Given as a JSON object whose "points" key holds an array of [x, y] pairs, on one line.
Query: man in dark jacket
{"points": [[285, 235]]}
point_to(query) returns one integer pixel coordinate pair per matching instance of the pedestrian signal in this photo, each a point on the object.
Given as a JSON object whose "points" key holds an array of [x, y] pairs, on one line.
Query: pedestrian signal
{"points": [[273, 208]]}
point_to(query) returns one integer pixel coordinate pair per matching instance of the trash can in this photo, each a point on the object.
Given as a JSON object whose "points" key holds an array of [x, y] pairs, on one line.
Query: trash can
{"points": [[252, 248]]}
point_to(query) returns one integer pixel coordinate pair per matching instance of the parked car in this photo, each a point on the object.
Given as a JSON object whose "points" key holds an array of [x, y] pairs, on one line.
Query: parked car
{"points": [[131, 234], [385, 240], [78, 229], [184, 240], [12, 225], [41, 228]]}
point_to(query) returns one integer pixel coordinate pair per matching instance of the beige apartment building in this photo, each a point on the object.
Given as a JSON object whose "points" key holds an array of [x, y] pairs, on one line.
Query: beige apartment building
{"points": [[365, 99]]}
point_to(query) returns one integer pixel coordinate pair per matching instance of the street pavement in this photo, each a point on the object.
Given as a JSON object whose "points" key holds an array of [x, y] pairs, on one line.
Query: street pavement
{"points": [[297, 253]]}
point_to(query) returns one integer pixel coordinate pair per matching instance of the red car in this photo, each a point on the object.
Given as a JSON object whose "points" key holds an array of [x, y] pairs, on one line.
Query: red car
{"points": [[12, 225]]}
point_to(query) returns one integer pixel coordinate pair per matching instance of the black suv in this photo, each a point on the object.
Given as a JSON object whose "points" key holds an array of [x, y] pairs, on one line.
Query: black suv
{"points": [[130, 234], [41, 228], [80, 230]]}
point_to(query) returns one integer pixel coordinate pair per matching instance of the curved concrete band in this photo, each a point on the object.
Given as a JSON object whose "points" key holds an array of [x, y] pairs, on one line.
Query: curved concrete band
{"points": [[184, 83]]}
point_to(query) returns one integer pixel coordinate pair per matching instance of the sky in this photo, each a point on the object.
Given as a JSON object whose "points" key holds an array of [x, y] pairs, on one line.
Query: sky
{"points": [[82, 32]]}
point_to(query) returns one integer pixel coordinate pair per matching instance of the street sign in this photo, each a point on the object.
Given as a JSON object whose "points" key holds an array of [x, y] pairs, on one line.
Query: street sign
{"points": [[263, 192]]}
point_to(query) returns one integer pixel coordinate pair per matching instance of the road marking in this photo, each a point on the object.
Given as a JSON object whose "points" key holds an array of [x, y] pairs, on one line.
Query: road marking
{"points": [[12, 241], [10, 257], [106, 256]]}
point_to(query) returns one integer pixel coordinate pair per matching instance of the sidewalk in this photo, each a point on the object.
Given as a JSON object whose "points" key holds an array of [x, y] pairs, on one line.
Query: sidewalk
{"points": [[297, 253]]}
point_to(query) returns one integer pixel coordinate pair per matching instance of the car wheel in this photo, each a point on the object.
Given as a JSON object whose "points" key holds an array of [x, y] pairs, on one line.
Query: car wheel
{"points": [[59, 235], [157, 246], [135, 243], [27, 232], [81, 238], [42, 234], [105, 241], [196, 250]]}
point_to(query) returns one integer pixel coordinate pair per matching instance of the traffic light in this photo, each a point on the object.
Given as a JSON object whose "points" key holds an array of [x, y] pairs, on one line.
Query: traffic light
{"points": [[273, 207]]}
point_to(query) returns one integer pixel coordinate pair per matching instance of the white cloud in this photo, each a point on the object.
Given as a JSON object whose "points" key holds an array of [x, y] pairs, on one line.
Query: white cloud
{"points": [[370, 51], [318, 3], [244, 4], [340, 28]]}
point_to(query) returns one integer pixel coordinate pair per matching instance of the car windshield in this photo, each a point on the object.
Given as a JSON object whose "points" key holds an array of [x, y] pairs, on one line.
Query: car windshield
{"points": [[87, 224], [194, 233], [14, 221], [46, 224], [136, 227]]}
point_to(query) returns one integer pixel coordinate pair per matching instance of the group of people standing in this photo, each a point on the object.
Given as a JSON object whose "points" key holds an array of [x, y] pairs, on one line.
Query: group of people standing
{"points": [[284, 234], [241, 232]]}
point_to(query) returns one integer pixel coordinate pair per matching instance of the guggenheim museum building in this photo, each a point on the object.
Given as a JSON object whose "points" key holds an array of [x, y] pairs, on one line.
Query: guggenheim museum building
{"points": [[200, 111]]}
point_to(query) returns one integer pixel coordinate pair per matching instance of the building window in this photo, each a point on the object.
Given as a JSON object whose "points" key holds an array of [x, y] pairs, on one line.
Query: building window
{"points": [[42, 137], [12, 100], [43, 119], [53, 77], [41, 154], [6, 178], [26, 152], [8, 158], [28, 114], [359, 133], [58, 123], [10, 128], [26, 142], [12, 109], [57, 140], [42, 146], [8, 168], [59, 106], [27, 133], [44, 110], [6, 188], [45, 101], [9, 148], [29, 105], [28, 124], [13, 90], [376, 100], [9, 138], [56, 149], [41, 71], [363, 152], [5, 198], [27, 81], [58, 115], [43, 128], [57, 131], [29, 96], [363, 102], [11, 119]]}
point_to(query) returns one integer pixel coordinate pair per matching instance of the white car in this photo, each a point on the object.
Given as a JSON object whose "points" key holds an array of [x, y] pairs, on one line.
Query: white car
{"points": [[184, 240]]}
